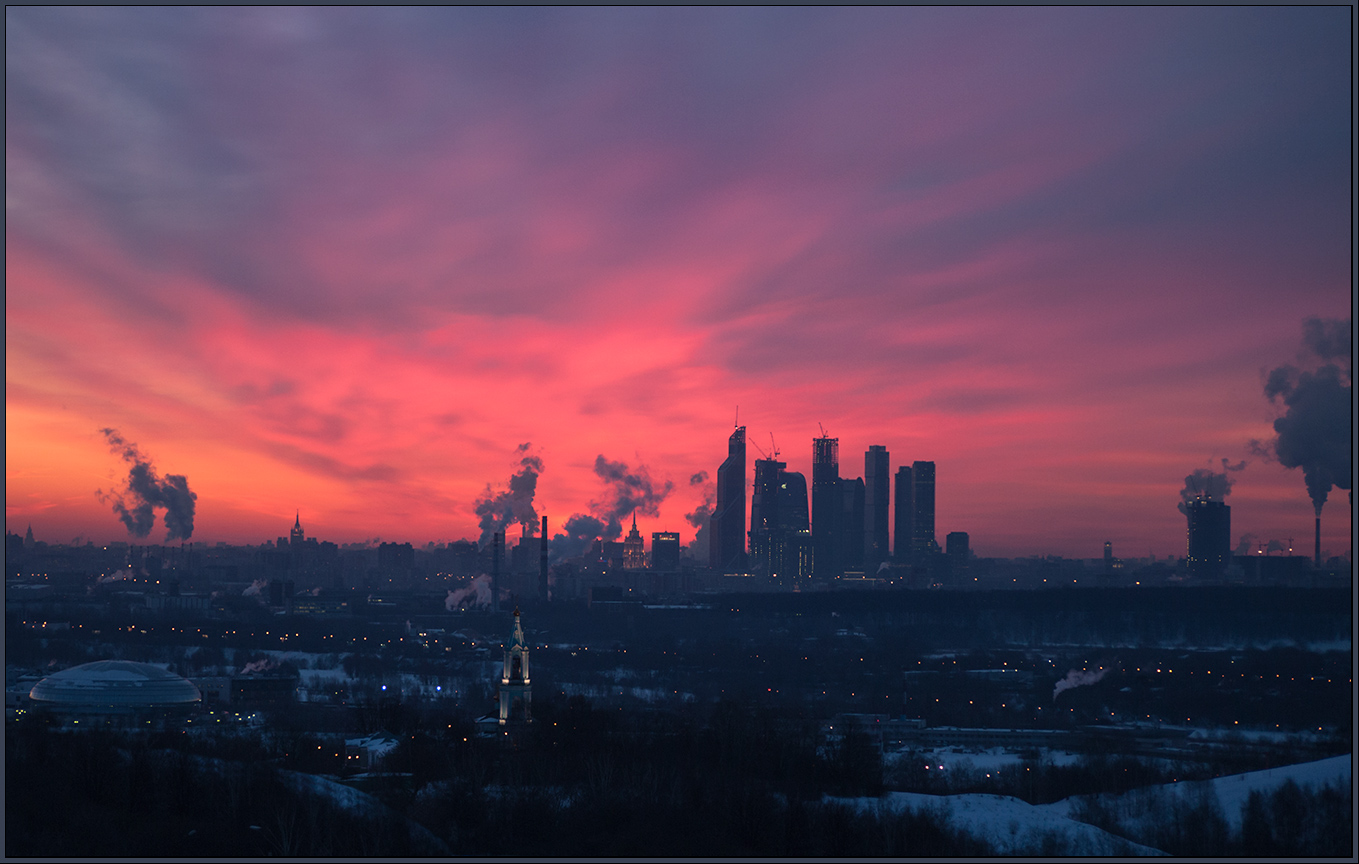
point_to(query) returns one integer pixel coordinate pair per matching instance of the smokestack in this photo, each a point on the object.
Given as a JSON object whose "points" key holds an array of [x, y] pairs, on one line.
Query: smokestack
{"points": [[495, 571], [1318, 550], [542, 562]]}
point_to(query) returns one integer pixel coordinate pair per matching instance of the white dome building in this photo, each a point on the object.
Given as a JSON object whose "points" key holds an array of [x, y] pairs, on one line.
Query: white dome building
{"points": [[114, 687]]}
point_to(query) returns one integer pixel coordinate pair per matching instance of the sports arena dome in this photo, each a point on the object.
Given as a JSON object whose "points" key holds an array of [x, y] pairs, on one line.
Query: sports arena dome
{"points": [[114, 686]]}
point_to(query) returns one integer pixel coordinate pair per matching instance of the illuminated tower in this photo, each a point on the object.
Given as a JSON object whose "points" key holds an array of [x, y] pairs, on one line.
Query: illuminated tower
{"points": [[297, 536], [634, 550], [515, 692], [727, 539], [827, 502]]}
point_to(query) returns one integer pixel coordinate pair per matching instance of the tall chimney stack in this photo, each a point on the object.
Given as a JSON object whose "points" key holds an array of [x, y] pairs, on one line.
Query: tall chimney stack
{"points": [[495, 572], [1317, 563], [542, 562]]}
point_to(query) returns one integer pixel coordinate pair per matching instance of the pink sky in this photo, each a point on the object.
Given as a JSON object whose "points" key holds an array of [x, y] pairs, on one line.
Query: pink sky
{"points": [[346, 261]]}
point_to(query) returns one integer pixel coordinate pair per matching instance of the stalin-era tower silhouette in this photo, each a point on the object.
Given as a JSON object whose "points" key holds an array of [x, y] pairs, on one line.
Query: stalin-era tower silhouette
{"points": [[515, 691]]}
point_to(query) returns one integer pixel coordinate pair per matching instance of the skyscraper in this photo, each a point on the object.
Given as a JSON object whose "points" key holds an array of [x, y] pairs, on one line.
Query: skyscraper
{"points": [[877, 495], [922, 532], [852, 524], [904, 517], [826, 506], [665, 550], [764, 516], [727, 543], [793, 539], [956, 547], [1210, 537]]}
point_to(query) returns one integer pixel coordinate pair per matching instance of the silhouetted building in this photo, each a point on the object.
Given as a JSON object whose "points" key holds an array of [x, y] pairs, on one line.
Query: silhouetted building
{"points": [[764, 516], [1108, 557], [665, 550], [393, 557], [634, 550], [852, 532], [904, 516], [1210, 541], [922, 493], [727, 537], [297, 535], [827, 504], [877, 497], [956, 547], [793, 536]]}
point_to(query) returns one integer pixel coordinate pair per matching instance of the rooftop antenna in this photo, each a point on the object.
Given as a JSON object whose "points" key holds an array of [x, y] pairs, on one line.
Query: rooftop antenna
{"points": [[737, 424]]}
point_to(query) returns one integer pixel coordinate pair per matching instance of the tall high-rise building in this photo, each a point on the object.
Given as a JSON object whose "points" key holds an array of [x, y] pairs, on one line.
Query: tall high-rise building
{"points": [[877, 496], [793, 538], [852, 524], [1210, 538], [634, 550], [956, 547], [297, 535], [904, 516], [764, 516], [922, 532], [827, 503], [665, 550], [727, 536]]}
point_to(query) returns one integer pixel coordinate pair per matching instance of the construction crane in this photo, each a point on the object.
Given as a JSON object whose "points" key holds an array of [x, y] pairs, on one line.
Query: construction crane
{"points": [[773, 446]]}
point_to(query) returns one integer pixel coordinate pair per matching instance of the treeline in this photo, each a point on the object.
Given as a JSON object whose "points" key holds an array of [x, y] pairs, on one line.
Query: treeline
{"points": [[1290, 822]]}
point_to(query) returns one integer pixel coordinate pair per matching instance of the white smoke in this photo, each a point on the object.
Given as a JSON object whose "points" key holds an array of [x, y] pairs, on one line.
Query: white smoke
{"points": [[1078, 678], [480, 589], [258, 666], [255, 588]]}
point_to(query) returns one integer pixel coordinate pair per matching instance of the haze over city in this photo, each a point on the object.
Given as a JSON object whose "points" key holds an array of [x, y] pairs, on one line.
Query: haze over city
{"points": [[349, 261]]}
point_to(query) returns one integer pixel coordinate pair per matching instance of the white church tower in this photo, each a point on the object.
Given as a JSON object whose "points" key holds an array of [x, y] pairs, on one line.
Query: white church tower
{"points": [[515, 692]]}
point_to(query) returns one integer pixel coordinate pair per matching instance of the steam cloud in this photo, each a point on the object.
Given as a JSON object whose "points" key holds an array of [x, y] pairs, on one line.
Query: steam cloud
{"points": [[1209, 485], [701, 516], [145, 491], [625, 491], [1078, 678], [477, 594], [501, 509], [1314, 433]]}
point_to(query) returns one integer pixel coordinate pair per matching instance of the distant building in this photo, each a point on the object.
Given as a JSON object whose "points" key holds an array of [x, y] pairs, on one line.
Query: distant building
{"points": [[395, 557], [1108, 556], [956, 547], [922, 531], [515, 691], [727, 536], [904, 516], [764, 516], [296, 536], [827, 504], [877, 497], [665, 550], [1209, 538], [634, 550], [852, 539]]}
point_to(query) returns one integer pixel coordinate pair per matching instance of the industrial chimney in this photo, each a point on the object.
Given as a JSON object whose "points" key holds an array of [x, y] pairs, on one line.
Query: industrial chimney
{"points": [[542, 562]]}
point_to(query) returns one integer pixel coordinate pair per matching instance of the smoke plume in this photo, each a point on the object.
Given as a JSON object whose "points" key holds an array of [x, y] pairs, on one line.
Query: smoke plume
{"points": [[701, 516], [1314, 432], [1078, 678], [477, 594], [498, 510], [145, 491], [1208, 485], [625, 491]]}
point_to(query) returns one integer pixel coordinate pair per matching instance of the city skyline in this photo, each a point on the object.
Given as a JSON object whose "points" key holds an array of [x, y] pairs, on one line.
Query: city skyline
{"points": [[1054, 252]]}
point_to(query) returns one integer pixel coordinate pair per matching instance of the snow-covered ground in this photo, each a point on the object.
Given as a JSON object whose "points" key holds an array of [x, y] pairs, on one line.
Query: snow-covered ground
{"points": [[1233, 790], [1014, 827], [1011, 826], [954, 758]]}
